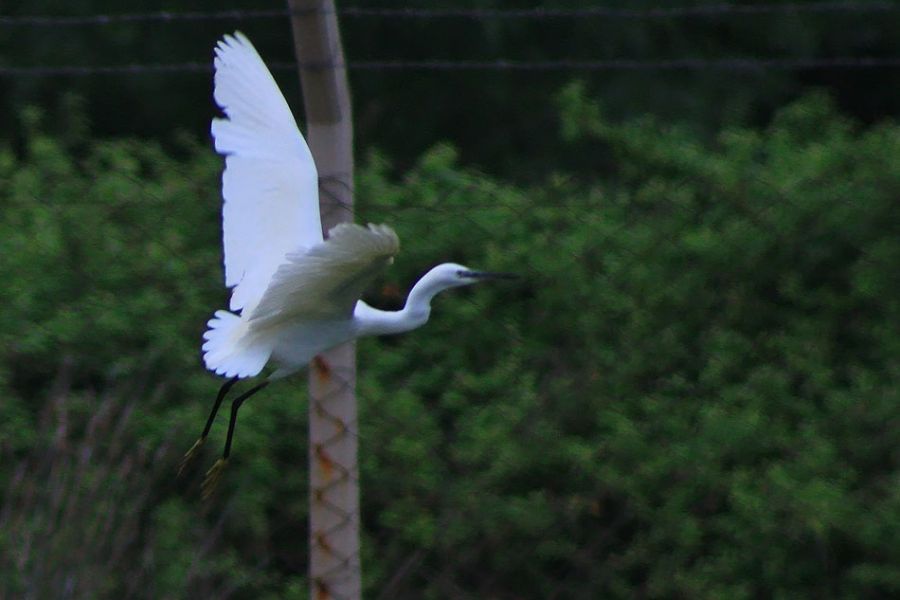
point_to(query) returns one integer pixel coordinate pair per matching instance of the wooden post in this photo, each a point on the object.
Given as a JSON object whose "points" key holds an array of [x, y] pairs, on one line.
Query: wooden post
{"points": [[334, 562]]}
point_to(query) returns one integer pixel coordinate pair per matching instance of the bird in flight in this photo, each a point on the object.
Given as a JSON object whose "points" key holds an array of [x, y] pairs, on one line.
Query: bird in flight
{"points": [[294, 293]]}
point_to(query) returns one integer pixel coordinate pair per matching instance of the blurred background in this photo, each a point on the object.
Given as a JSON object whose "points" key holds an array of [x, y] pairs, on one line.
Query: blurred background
{"points": [[693, 393]]}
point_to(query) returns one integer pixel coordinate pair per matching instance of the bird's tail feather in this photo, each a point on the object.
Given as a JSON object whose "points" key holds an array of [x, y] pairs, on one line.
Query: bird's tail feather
{"points": [[230, 349]]}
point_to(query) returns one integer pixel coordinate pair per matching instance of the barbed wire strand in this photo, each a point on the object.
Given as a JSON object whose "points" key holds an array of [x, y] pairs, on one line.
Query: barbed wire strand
{"points": [[623, 64], [716, 10]]}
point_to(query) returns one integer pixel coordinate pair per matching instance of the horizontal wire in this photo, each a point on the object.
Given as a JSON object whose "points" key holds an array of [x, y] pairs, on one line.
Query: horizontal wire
{"points": [[625, 64], [150, 17], [668, 12], [708, 10], [676, 64]]}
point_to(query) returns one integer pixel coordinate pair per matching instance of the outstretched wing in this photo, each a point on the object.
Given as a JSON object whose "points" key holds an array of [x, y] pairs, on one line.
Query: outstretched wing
{"points": [[326, 281], [270, 184]]}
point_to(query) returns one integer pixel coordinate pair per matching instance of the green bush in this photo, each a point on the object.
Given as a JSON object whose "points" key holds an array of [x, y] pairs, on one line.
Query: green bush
{"points": [[693, 392]]}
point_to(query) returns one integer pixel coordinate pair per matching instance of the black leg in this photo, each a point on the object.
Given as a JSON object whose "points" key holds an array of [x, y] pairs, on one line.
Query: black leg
{"points": [[223, 391], [215, 472], [235, 405], [191, 454]]}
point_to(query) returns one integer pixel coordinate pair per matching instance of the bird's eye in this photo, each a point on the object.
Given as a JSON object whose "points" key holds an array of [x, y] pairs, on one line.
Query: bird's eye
{"points": [[461, 273]]}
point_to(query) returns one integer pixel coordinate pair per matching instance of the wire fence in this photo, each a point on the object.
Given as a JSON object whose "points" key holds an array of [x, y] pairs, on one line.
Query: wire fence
{"points": [[706, 12], [536, 13], [743, 65]]}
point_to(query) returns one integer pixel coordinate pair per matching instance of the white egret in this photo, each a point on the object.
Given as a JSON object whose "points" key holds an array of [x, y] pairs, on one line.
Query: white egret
{"points": [[294, 294]]}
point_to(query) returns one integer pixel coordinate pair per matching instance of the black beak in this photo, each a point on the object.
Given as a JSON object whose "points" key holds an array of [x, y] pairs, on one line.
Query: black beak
{"points": [[488, 275]]}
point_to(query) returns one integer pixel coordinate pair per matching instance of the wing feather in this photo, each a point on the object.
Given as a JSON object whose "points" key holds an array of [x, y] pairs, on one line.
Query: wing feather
{"points": [[326, 281], [270, 183]]}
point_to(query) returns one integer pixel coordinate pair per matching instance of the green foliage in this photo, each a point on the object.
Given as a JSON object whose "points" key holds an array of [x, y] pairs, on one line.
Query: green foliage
{"points": [[682, 388], [693, 392], [105, 229]]}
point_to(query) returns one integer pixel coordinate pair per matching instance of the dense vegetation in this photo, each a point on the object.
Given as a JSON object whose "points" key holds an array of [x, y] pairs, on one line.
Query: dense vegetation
{"points": [[695, 392]]}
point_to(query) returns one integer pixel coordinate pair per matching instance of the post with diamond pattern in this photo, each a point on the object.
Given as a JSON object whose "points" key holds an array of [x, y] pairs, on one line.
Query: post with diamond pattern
{"points": [[334, 563]]}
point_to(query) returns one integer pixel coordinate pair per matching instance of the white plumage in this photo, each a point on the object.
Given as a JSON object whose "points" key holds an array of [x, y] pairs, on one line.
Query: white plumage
{"points": [[325, 281], [270, 184]]}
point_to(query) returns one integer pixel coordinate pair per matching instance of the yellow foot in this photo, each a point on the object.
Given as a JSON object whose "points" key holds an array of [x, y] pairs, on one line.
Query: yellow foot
{"points": [[190, 455], [212, 478]]}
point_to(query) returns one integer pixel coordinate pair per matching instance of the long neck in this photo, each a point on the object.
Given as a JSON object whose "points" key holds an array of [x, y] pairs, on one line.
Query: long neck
{"points": [[414, 314]]}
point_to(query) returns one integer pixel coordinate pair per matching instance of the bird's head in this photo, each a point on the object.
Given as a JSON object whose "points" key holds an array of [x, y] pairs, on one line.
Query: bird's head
{"points": [[443, 277], [453, 275]]}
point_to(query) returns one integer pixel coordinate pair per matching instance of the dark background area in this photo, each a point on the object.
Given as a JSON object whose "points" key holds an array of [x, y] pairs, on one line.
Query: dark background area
{"points": [[483, 113]]}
